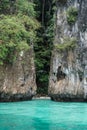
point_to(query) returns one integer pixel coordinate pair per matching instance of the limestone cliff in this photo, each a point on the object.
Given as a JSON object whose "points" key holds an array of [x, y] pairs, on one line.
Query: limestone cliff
{"points": [[17, 81], [68, 72]]}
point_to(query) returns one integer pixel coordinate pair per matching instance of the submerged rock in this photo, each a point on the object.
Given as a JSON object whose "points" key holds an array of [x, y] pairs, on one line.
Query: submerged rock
{"points": [[17, 80], [68, 72]]}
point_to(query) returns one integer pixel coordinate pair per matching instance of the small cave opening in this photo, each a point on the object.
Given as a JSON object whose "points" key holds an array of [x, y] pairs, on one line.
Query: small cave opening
{"points": [[60, 74]]}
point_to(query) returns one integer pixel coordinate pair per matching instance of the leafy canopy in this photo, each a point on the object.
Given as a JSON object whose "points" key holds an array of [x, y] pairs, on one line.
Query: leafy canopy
{"points": [[18, 30], [13, 36]]}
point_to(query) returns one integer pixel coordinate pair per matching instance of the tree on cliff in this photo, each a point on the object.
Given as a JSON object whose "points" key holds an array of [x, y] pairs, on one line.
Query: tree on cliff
{"points": [[17, 28]]}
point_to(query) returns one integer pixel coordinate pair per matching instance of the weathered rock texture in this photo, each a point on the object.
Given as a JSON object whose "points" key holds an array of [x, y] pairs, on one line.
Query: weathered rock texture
{"points": [[68, 73], [17, 81]]}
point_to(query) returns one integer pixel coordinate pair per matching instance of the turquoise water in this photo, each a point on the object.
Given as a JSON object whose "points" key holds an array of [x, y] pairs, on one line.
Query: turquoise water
{"points": [[43, 115]]}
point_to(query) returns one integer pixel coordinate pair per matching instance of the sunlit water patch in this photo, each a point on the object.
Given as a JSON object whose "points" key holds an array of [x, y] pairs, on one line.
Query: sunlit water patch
{"points": [[43, 115]]}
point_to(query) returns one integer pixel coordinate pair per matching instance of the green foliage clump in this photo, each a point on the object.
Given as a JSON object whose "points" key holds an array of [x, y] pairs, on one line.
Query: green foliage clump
{"points": [[13, 35], [31, 25], [72, 14], [68, 44], [17, 30], [25, 7], [4, 6]]}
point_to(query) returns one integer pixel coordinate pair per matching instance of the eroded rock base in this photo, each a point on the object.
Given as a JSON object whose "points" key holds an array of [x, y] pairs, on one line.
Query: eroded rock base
{"points": [[67, 99]]}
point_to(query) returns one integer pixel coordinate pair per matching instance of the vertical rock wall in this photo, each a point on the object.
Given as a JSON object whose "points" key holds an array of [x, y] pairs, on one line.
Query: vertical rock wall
{"points": [[17, 81], [68, 71]]}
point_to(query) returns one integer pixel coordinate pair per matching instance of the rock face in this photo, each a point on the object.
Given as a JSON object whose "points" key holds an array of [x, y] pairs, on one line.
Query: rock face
{"points": [[68, 72], [17, 81]]}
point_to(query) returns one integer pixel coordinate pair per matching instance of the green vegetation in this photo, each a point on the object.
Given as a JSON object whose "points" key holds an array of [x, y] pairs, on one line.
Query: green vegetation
{"points": [[12, 35], [72, 14], [68, 44], [17, 31], [25, 7], [4, 6], [44, 43]]}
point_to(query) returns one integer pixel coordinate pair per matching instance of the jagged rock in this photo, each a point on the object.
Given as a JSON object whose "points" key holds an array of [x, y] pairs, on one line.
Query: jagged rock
{"points": [[68, 72], [17, 81]]}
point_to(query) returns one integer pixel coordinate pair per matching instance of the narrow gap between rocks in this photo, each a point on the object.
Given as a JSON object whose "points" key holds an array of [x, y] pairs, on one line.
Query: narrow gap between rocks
{"points": [[44, 44]]}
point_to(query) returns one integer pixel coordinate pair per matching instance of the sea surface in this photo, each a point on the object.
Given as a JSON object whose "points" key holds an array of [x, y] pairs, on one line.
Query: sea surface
{"points": [[43, 115]]}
